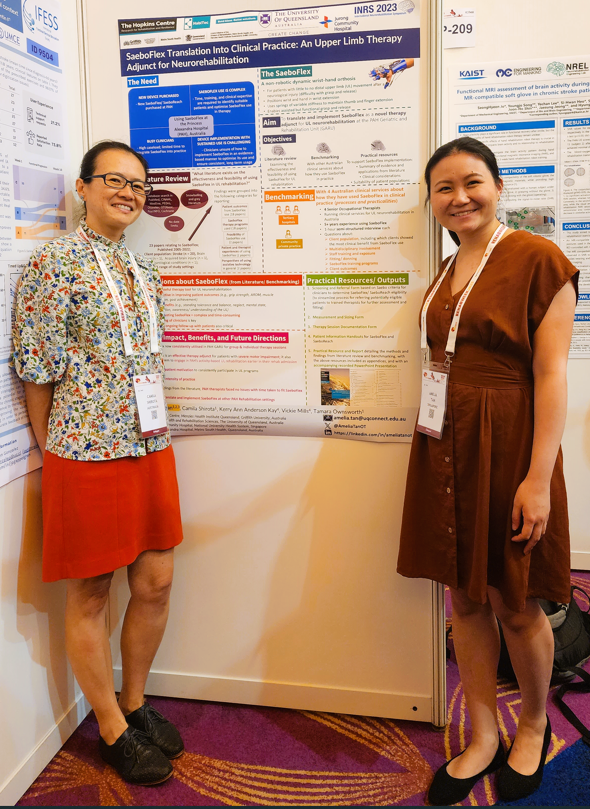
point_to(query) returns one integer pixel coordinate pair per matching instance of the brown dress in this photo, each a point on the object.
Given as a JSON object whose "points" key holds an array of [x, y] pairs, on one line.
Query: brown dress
{"points": [[456, 525]]}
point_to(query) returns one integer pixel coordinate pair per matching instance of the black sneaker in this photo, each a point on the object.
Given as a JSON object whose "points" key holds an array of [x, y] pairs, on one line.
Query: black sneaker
{"points": [[136, 759], [161, 732]]}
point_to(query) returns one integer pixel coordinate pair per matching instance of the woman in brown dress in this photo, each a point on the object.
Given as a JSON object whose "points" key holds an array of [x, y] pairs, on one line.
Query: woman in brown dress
{"points": [[485, 509]]}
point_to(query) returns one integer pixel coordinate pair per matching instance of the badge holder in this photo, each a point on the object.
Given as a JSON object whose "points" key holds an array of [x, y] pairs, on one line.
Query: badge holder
{"points": [[151, 406], [435, 376], [433, 400]]}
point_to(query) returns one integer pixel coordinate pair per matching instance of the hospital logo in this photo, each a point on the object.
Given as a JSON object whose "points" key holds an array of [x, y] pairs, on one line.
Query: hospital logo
{"points": [[265, 19], [325, 22], [557, 68], [9, 36]]}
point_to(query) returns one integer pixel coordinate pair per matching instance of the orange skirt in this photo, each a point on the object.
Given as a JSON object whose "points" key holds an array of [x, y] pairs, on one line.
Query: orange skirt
{"points": [[100, 515]]}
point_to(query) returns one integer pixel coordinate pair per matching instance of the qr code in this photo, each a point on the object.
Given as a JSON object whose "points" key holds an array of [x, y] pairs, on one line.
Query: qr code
{"points": [[430, 413], [154, 414]]}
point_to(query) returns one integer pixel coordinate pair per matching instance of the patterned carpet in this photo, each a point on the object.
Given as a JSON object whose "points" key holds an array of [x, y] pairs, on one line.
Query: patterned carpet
{"points": [[247, 756]]}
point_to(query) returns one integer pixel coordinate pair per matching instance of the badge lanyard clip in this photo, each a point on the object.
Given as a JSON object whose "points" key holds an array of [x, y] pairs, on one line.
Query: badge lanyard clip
{"points": [[435, 376], [154, 346]]}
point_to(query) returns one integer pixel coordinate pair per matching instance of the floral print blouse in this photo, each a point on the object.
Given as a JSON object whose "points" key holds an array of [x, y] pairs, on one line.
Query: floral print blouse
{"points": [[67, 331]]}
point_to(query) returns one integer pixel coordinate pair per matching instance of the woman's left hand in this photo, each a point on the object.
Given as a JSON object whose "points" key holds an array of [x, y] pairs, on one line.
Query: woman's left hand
{"points": [[532, 504]]}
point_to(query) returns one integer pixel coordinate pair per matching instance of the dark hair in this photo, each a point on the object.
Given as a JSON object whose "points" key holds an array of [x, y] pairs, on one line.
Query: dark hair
{"points": [[470, 146], [88, 164]]}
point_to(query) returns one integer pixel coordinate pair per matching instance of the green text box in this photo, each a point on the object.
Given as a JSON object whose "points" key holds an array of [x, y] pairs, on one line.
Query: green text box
{"points": [[384, 279]]}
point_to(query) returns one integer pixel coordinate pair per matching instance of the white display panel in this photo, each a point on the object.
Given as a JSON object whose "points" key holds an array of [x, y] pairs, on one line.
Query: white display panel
{"points": [[275, 583]]}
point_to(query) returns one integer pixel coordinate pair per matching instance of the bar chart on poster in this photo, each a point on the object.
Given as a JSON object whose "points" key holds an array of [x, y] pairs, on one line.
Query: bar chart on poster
{"points": [[33, 154], [285, 151]]}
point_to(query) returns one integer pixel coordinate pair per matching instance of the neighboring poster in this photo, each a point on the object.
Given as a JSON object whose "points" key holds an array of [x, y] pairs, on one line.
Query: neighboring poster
{"points": [[535, 116], [286, 149], [32, 187]]}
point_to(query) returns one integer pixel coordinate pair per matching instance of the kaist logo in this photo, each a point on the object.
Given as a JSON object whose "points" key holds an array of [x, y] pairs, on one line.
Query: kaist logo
{"points": [[325, 22], [471, 74], [504, 72]]}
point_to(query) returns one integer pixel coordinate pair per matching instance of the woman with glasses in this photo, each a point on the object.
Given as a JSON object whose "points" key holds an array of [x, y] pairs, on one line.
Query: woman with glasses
{"points": [[89, 319]]}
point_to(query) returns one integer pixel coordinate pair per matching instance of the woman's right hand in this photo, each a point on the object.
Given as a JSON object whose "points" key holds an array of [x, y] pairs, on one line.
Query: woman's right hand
{"points": [[39, 402], [532, 504]]}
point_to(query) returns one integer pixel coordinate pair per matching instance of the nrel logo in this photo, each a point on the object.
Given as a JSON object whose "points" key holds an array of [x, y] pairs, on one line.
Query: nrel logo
{"points": [[507, 72], [471, 74]]}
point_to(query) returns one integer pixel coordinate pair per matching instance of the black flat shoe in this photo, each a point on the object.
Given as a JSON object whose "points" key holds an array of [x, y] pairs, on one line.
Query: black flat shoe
{"points": [[512, 785], [446, 790], [136, 759], [162, 733]]}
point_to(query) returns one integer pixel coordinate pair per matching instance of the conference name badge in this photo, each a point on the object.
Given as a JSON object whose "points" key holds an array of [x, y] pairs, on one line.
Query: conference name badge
{"points": [[151, 405], [433, 400]]}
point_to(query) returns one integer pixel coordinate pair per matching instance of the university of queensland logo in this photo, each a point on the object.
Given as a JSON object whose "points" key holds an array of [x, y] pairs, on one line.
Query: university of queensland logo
{"points": [[557, 68], [265, 19], [28, 17]]}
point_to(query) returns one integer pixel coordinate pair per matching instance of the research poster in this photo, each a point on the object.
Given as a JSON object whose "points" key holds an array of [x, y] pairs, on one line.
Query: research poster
{"points": [[33, 128], [535, 116], [287, 220]]}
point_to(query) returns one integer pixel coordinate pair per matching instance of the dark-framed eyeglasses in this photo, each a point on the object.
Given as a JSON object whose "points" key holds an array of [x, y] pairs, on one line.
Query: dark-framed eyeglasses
{"points": [[114, 180]]}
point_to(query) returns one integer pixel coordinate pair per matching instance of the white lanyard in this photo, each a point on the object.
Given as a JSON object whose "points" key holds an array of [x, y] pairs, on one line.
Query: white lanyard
{"points": [[154, 347], [452, 338]]}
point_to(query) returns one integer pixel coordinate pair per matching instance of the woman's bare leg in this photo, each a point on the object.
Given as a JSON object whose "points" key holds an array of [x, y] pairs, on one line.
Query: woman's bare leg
{"points": [[529, 639], [150, 580], [477, 646], [88, 649]]}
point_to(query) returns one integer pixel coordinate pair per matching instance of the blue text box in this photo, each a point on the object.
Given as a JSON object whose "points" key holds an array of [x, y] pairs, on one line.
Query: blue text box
{"points": [[160, 151], [515, 170], [42, 53], [151, 109], [231, 103], [12, 15], [507, 127]]}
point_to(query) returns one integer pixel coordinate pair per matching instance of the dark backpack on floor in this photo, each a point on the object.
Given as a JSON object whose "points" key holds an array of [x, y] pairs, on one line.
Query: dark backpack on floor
{"points": [[571, 631]]}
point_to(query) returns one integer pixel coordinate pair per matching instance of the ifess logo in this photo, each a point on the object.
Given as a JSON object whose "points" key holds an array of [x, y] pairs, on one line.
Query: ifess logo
{"points": [[41, 18]]}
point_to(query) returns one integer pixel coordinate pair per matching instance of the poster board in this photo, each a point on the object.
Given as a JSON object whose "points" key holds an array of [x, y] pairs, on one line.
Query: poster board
{"points": [[534, 114], [285, 149]]}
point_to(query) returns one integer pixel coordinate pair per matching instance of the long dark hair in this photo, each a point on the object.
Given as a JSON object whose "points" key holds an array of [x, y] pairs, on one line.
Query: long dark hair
{"points": [[470, 146], [88, 164]]}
